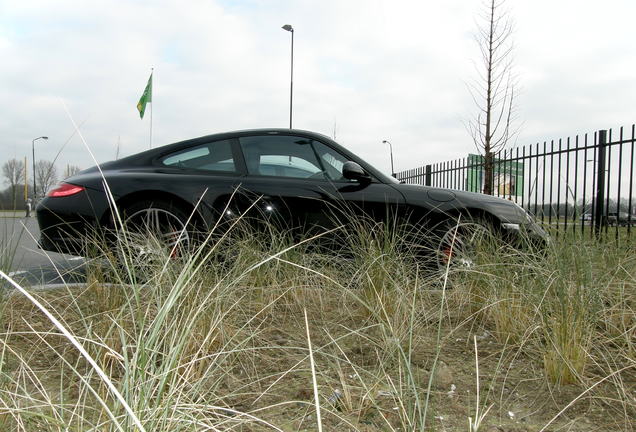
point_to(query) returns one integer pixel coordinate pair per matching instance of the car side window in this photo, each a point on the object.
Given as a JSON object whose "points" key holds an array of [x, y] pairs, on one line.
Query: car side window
{"points": [[281, 156], [332, 161], [214, 156]]}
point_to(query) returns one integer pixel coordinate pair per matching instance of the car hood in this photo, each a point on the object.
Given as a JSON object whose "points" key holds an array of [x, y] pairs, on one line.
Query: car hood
{"points": [[449, 200]]}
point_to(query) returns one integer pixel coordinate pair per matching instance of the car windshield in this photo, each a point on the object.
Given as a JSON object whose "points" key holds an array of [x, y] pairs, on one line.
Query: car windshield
{"points": [[334, 161], [386, 178], [391, 179]]}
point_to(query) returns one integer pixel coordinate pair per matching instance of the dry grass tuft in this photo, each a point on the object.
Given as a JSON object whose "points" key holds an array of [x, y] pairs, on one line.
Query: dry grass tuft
{"points": [[218, 341]]}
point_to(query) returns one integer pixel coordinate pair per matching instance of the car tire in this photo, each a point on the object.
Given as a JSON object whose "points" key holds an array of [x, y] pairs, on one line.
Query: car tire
{"points": [[459, 242], [154, 230]]}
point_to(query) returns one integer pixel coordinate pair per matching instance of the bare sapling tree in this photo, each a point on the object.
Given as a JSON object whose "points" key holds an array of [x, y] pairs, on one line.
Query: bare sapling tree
{"points": [[493, 91], [45, 176], [13, 172]]}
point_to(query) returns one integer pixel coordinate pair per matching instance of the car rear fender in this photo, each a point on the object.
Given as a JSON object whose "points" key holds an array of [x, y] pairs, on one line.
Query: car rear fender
{"points": [[127, 200]]}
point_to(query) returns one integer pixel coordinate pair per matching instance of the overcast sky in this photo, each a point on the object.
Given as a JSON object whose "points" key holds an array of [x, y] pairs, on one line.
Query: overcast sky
{"points": [[370, 70]]}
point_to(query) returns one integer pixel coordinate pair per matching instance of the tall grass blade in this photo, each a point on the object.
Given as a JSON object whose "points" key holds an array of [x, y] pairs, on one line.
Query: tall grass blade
{"points": [[84, 354]]}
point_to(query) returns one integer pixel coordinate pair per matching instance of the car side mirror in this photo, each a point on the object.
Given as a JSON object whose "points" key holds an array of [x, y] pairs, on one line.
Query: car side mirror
{"points": [[353, 171]]}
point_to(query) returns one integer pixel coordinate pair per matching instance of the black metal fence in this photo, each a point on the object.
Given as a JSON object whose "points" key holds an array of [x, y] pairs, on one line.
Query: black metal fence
{"points": [[584, 183]]}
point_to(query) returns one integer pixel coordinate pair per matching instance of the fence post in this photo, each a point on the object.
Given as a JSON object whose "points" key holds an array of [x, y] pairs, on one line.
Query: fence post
{"points": [[427, 175], [599, 218]]}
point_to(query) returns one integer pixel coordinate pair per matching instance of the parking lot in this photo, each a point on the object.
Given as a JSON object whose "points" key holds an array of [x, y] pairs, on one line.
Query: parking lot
{"points": [[31, 265]]}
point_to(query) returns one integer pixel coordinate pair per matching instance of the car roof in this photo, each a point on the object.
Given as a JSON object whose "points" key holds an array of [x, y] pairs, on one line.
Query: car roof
{"points": [[146, 157], [248, 132], [157, 151]]}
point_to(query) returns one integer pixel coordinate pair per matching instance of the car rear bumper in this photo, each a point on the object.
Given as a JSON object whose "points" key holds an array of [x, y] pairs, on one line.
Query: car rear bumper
{"points": [[70, 224], [65, 235]]}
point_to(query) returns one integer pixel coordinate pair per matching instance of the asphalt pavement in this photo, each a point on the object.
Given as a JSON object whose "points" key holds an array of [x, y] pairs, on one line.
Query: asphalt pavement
{"points": [[31, 265]]}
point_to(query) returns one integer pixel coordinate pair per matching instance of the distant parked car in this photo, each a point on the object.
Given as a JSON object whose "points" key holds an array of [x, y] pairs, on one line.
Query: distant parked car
{"points": [[587, 217], [621, 218]]}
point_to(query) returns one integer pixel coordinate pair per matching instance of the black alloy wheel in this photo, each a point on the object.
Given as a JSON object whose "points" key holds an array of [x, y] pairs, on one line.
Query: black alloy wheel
{"points": [[155, 231], [460, 243]]}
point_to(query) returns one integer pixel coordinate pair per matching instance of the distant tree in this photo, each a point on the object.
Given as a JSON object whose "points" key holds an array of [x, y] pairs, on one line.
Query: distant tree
{"points": [[5, 199], [13, 171], [493, 90], [45, 176], [625, 205], [10, 202], [71, 170], [584, 206]]}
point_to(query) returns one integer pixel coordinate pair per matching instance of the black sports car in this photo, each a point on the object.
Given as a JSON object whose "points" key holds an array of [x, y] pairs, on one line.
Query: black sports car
{"points": [[295, 177]]}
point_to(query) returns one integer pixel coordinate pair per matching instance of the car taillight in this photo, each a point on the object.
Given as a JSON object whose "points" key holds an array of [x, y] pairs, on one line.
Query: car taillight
{"points": [[64, 190]]}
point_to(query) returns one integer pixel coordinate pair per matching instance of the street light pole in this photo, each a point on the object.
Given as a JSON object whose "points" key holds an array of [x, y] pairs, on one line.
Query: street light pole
{"points": [[391, 150], [289, 28], [33, 151]]}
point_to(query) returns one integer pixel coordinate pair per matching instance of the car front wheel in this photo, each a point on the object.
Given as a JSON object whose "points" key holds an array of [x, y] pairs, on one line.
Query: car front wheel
{"points": [[461, 243]]}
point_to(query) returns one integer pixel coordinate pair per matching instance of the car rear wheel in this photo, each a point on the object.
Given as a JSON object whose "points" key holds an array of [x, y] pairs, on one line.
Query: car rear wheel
{"points": [[154, 231]]}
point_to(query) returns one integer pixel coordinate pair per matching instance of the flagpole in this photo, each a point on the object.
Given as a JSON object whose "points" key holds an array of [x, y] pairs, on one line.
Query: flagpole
{"points": [[152, 102]]}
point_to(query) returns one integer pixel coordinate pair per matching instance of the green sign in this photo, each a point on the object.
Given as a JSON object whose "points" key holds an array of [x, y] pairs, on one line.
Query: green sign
{"points": [[507, 176]]}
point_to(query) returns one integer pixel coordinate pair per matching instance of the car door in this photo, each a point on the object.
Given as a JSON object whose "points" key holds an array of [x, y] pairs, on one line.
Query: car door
{"points": [[299, 184], [371, 198], [206, 174]]}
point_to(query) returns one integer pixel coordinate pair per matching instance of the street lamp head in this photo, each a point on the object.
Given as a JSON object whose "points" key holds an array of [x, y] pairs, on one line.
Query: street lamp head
{"points": [[44, 137], [288, 28], [391, 152]]}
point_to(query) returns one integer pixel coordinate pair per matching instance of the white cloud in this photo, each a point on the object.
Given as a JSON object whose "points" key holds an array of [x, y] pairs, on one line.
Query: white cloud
{"points": [[391, 70]]}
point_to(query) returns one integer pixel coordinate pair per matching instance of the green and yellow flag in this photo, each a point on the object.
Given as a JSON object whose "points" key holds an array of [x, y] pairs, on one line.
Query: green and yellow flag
{"points": [[145, 98]]}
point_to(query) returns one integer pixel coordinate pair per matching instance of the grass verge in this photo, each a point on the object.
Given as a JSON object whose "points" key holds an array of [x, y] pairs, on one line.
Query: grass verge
{"points": [[278, 336]]}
